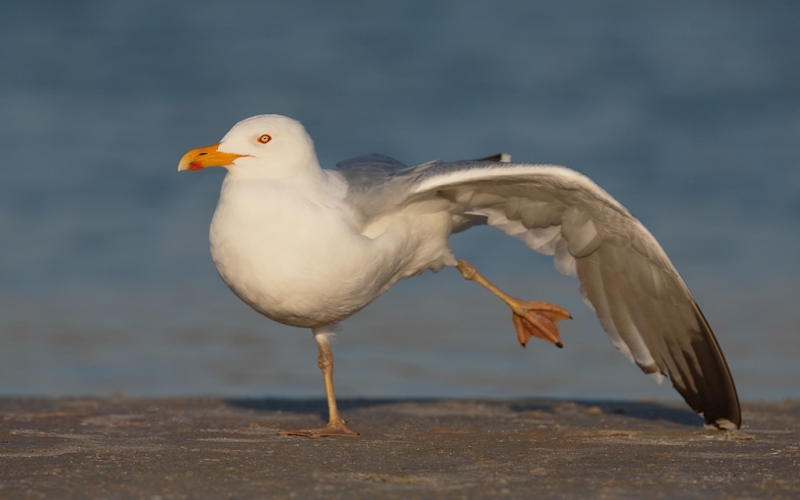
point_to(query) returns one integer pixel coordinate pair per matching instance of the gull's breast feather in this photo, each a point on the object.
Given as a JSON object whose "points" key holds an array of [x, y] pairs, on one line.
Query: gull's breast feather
{"points": [[300, 259]]}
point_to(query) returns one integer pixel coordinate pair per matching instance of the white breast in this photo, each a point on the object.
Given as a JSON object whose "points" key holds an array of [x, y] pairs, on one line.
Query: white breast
{"points": [[296, 256]]}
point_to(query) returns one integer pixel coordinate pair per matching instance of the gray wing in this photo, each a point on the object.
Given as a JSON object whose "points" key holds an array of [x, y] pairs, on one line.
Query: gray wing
{"points": [[377, 183], [370, 166], [639, 297]]}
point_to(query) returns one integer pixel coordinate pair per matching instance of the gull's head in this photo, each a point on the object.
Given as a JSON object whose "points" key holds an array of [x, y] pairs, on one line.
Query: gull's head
{"points": [[264, 145]]}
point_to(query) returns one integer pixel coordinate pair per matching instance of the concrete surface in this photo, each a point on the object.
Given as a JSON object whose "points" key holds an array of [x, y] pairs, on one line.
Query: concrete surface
{"points": [[212, 448]]}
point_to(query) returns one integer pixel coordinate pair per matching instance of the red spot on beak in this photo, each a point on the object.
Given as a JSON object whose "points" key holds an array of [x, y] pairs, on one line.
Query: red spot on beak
{"points": [[195, 165]]}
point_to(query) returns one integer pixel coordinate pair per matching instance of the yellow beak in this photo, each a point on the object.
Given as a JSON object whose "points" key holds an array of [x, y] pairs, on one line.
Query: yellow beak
{"points": [[206, 157]]}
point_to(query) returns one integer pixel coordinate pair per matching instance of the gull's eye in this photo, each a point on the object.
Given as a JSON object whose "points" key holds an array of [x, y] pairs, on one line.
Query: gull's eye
{"points": [[265, 138]]}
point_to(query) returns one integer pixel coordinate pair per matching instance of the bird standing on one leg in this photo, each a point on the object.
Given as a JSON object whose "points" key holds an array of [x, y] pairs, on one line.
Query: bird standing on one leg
{"points": [[310, 247]]}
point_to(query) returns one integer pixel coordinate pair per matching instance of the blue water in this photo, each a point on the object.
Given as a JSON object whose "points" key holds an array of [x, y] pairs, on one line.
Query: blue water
{"points": [[687, 112]]}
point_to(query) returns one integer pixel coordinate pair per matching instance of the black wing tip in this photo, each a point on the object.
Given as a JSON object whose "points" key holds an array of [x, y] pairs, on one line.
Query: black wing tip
{"points": [[499, 157], [724, 424], [727, 420], [714, 395]]}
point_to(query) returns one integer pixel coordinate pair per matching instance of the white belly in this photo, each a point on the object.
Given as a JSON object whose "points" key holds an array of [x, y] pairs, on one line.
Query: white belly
{"points": [[308, 265]]}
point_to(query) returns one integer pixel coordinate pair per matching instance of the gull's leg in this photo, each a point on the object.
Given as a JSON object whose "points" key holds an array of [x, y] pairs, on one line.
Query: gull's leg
{"points": [[531, 319], [336, 424]]}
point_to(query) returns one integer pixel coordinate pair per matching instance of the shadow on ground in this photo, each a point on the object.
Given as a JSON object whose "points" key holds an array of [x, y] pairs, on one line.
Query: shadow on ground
{"points": [[637, 410]]}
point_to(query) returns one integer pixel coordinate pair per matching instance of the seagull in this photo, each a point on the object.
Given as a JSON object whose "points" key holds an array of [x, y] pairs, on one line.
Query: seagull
{"points": [[309, 247]]}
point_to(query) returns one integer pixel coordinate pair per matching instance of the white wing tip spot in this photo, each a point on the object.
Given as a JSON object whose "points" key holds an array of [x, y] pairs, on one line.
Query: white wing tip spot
{"points": [[724, 423]]}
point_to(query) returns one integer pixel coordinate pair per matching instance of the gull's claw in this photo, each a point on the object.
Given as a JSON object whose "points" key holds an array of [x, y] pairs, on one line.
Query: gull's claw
{"points": [[537, 319]]}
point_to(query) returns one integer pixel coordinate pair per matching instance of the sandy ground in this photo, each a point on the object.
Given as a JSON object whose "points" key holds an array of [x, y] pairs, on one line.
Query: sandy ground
{"points": [[213, 448]]}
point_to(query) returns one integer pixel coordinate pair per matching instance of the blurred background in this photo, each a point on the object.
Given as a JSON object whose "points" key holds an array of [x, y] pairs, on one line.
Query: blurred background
{"points": [[686, 112]]}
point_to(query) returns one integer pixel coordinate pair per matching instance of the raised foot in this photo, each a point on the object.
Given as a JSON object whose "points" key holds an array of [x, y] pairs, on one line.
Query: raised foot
{"points": [[537, 319], [338, 430], [531, 319]]}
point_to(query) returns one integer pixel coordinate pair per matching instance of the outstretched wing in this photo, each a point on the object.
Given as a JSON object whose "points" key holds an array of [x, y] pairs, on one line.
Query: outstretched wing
{"points": [[639, 297]]}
